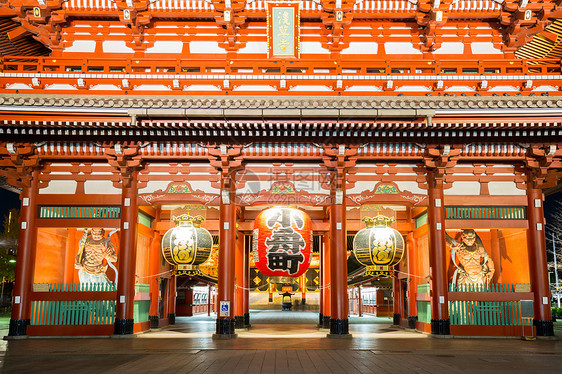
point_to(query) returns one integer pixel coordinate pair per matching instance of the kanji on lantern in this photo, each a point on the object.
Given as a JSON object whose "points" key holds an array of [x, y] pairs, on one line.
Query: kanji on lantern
{"points": [[282, 240]]}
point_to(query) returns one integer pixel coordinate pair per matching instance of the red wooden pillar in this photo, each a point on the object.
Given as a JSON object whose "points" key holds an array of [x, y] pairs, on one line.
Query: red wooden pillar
{"points": [[25, 260], [227, 233], [440, 323], [154, 266], [412, 280], [246, 283], [396, 300], [209, 301], [360, 301], [536, 247], [303, 288], [326, 280], [321, 283], [239, 276], [339, 308], [172, 296], [124, 310]]}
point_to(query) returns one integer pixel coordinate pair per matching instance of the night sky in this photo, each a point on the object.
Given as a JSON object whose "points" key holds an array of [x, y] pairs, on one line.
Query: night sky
{"points": [[8, 200]]}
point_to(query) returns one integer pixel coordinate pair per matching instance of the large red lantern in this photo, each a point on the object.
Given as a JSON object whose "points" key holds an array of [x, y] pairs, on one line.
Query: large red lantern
{"points": [[282, 242]]}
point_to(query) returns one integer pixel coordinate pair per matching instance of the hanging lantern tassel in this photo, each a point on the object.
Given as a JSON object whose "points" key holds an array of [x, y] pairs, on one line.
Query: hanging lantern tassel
{"points": [[378, 271]]}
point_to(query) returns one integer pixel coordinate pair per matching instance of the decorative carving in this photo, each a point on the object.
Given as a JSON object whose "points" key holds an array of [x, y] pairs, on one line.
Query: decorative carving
{"points": [[231, 16], [179, 192], [382, 189], [283, 193], [437, 160], [543, 165], [126, 160], [227, 159], [340, 161], [17, 161], [136, 15], [336, 14]]}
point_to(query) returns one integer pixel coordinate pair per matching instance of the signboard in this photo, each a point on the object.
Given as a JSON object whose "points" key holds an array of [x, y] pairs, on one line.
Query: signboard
{"points": [[224, 309], [283, 29], [527, 309]]}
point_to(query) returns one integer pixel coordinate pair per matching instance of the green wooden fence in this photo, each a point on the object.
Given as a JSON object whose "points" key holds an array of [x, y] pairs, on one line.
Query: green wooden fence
{"points": [[486, 212], [74, 309], [80, 211], [479, 313]]}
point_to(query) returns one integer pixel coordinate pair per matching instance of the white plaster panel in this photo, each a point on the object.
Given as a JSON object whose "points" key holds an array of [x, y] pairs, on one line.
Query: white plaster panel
{"points": [[59, 187], [152, 87], [545, 88], [116, 46], [413, 89], [166, 46], [450, 48], [254, 47], [259, 88], [152, 186], [82, 46], [459, 89], [410, 186], [361, 186], [401, 48], [361, 48], [255, 187], [101, 188], [60, 86], [464, 188], [18, 86], [205, 47], [105, 87], [363, 89], [202, 87], [312, 47], [504, 188], [504, 88], [311, 88], [204, 186], [484, 48]]}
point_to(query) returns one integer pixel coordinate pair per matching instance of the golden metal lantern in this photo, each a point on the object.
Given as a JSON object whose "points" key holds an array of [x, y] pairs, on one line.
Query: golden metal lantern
{"points": [[187, 245], [378, 246]]}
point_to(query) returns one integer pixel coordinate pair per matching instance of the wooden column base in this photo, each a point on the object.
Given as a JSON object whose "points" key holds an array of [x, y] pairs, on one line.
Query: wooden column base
{"points": [[339, 326], [153, 321], [124, 326], [412, 322], [225, 329], [320, 321], [239, 322], [18, 327], [172, 318], [544, 328], [441, 327], [326, 322]]}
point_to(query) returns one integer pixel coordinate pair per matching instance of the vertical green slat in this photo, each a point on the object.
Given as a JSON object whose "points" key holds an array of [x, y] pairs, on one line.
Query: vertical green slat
{"points": [[42, 313], [49, 315], [33, 312], [38, 312]]}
